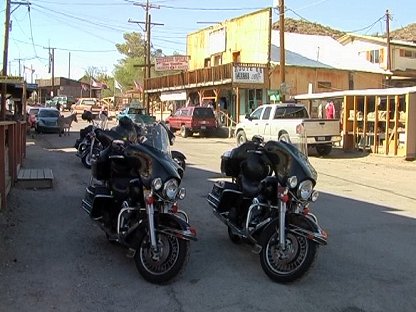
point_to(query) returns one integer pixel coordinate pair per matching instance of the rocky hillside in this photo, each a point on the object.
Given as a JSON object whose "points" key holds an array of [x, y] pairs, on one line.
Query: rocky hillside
{"points": [[308, 28], [407, 33]]}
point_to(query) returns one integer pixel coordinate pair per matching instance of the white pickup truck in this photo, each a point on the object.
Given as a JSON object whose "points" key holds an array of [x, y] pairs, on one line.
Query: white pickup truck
{"points": [[285, 122]]}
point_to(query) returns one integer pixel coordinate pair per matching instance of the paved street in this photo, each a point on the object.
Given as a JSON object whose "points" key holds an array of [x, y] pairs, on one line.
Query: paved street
{"points": [[53, 258]]}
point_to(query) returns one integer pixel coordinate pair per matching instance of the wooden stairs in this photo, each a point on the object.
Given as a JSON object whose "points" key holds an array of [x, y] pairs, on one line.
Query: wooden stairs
{"points": [[35, 178]]}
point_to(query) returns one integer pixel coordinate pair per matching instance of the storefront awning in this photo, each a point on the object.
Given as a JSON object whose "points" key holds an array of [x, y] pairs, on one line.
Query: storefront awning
{"points": [[173, 96]]}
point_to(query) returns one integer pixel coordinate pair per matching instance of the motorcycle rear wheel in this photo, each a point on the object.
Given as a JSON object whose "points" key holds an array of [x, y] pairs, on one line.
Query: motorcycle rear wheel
{"points": [[173, 256], [291, 264]]}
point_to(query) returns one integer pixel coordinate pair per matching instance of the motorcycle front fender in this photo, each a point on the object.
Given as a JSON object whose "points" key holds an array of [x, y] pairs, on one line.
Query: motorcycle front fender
{"points": [[308, 227], [302, 225], [171, 224], [177, 154]]}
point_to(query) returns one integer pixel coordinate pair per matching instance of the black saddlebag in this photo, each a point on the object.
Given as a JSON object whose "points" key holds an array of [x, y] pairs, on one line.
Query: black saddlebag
{"points": [[90, 193], [222, 192], [101, 168]]}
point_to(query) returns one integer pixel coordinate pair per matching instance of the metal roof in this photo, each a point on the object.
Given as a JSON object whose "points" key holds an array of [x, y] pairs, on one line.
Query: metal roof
{"points": [[363, 92], [320, 51]]}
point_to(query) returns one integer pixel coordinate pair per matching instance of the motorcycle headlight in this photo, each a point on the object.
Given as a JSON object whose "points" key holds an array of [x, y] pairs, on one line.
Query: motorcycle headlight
{"points": [[171, 188], [315, 195], [292, 182], [182, 193], [157, 184], [305, 189]]}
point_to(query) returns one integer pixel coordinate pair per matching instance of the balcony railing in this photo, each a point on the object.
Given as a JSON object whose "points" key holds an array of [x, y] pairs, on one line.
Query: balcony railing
{"points": [[215, 75]]}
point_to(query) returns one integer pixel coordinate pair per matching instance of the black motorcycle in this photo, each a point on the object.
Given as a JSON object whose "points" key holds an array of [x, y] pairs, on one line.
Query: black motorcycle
{"points": [[266, 204], [135, 198], [88, 145]]}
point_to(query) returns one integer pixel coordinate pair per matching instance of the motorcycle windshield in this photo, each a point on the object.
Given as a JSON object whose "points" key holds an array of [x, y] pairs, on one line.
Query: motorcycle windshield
{"points": [[151, 157], [156, 136], [289, 161]]}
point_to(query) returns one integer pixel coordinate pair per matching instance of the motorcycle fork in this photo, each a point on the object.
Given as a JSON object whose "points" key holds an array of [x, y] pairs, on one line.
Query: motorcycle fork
{"points": [[284, 198], [151, 221], [92, 145]]}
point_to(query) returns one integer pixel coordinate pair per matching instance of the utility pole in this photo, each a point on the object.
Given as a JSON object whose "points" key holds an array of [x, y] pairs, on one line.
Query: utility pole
{"points": [[52, 68], [5, 53], [388, 17], [147, 61], [282, 47], [25, 68], [69, 65], [5, 56]]}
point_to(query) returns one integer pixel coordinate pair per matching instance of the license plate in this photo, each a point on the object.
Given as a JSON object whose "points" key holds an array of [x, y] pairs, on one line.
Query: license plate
{"points": [[320, 138], [203, 127]]}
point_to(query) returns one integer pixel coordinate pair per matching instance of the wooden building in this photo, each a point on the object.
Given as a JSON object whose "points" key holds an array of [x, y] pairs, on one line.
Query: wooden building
{"points": [[236, 65], [382, 121]]}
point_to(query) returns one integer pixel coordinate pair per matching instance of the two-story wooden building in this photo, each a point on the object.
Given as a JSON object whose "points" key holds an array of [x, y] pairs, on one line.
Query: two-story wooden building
{"points": [[235, 64]]}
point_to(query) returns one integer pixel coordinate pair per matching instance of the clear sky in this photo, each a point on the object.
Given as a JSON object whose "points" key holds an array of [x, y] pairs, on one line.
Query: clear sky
{"points": [[86, 31]]}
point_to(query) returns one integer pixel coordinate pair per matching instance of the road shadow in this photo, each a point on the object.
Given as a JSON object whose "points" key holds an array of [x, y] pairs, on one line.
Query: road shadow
{"points": [[52, 255], [339, 153]]}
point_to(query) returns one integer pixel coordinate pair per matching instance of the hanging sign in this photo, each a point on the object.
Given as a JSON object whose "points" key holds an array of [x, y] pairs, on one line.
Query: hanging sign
{"points": [[243, 74], [175, 62]]}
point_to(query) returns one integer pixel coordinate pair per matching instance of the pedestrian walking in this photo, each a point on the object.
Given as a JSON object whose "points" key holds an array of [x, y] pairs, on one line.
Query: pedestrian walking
{"points": [[103, 116]]}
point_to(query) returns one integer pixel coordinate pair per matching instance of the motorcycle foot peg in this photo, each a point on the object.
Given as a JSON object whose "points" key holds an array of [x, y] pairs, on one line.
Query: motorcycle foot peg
{"points": [[130, 253], [256, 249]]}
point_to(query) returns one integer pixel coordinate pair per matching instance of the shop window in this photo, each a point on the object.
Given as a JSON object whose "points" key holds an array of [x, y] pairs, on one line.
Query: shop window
{"points": [[407, 53], [236, 57], [373, 56], [324, 84], [217, 60], [255, 98]]}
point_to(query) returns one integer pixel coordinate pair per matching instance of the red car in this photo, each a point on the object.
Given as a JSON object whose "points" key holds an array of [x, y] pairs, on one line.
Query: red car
{"points": [[193, 119]]}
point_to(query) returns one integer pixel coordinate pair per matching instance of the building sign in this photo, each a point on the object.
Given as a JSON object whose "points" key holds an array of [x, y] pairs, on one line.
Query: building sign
{"points": [[243, 74], [11, 79], [175, 62], [216, 41], [173, 96]]}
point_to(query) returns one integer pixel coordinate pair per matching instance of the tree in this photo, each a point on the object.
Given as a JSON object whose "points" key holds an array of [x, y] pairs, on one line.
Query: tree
{"points": [[133, 48]]}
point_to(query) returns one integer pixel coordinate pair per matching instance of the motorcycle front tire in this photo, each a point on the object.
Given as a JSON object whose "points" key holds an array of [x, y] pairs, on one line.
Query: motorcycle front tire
{"points": [[86, 160], [173, 257], [286, 266]]}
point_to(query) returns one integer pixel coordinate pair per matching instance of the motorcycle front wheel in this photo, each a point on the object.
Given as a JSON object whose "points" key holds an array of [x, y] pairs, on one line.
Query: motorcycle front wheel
{"points": [[284, 266], [167, 263], [87, 159]]}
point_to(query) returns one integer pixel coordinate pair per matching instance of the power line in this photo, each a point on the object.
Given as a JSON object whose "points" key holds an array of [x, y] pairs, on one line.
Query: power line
{"points": [[104, 25], [70, 50], [82, 29], [31, 32], [82, 3]]}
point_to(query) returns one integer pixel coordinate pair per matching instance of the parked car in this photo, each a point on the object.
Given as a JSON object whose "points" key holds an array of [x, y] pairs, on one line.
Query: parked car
{"points": [[193, 119], [61, 102], [86, 104], [48, 120], [137, 114]]}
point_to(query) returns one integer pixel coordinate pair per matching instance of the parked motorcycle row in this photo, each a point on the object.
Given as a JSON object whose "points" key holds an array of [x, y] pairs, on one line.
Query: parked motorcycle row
{"points": [[135, 190]]}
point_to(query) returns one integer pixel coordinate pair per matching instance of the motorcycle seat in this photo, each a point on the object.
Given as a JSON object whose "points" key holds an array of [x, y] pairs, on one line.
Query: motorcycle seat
{"points": [[253, 170]]}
